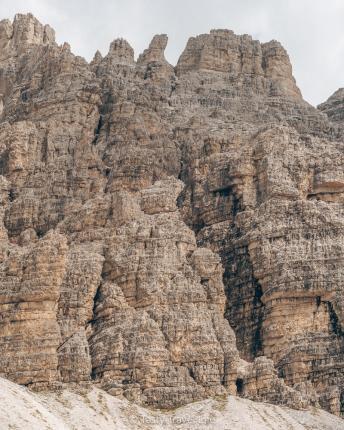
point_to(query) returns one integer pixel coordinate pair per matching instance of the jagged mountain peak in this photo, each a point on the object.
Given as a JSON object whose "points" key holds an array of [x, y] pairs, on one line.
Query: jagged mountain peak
{"points": [[169, 234]]}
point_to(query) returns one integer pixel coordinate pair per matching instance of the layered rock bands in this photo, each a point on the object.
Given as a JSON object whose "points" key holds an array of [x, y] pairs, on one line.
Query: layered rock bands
{"points": [[169, 233]]}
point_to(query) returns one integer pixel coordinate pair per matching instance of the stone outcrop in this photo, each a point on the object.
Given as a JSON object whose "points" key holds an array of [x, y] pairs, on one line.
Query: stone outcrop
{"points": [[31, 279], [26, 30], [334, 106], [169, 234], [222, 51]]}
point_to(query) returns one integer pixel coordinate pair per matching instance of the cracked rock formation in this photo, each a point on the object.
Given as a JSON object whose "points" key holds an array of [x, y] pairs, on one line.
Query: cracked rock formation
{"points": [[169, 233]]}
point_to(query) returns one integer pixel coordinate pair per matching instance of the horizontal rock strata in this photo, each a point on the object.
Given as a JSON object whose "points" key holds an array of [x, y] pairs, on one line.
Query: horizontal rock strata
{"points": [[169, 233]]}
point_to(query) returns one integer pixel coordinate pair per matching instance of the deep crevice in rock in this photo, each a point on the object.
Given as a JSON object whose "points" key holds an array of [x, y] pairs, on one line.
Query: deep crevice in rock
{"points": [[335, 324], [239, 386], [97, 130]]}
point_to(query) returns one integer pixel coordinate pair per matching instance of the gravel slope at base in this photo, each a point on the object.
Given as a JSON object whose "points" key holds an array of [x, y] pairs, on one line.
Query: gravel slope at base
{"points": [[94, 409]]}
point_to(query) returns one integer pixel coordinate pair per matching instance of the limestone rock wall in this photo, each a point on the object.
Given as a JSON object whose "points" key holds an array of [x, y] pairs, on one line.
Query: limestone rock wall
{"points": [[169, 234], [334, 106]]}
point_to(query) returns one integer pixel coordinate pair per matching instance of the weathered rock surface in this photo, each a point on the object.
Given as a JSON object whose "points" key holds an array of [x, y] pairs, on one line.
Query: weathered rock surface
{"points": [[334, 107], [169, 234]]}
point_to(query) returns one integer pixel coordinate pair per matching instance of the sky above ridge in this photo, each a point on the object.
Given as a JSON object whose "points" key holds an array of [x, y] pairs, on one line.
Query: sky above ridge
{"points": [[312, 31]]}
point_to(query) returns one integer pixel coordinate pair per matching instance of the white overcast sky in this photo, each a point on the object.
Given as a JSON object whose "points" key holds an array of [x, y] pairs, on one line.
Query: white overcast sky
{"points": [[312, 31]]}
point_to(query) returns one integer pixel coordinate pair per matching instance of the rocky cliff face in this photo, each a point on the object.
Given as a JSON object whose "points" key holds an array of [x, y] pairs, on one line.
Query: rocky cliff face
{"points": [[167, 233]]}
